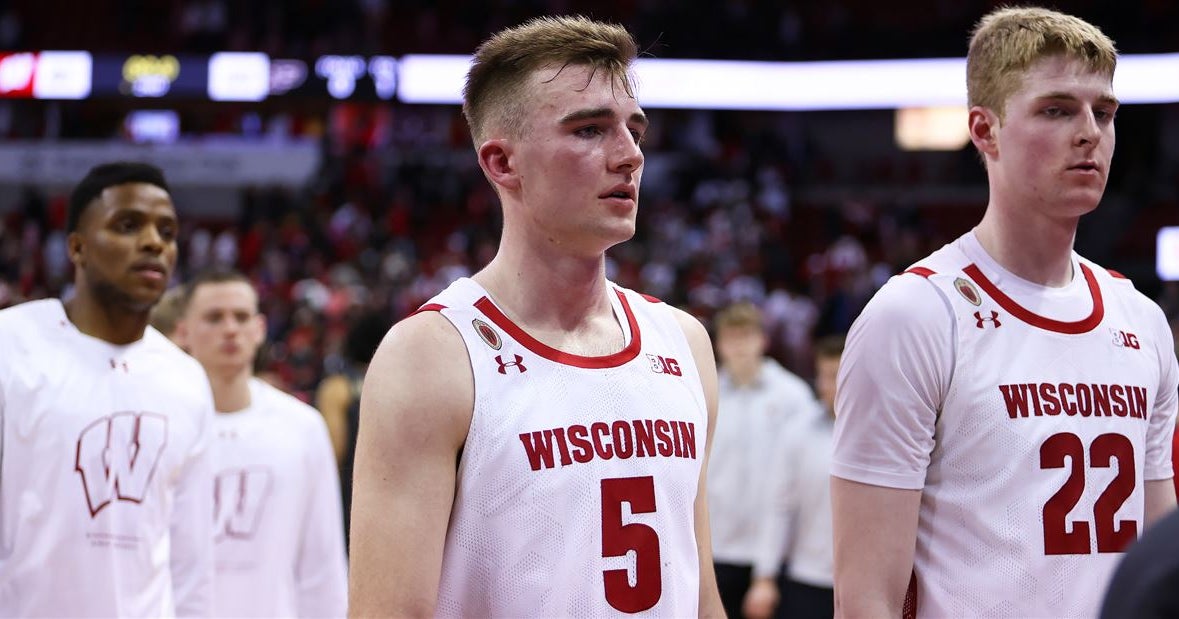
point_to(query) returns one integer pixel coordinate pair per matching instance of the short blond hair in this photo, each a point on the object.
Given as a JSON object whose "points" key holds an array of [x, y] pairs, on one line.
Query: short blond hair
{"points": [[741, 315], [494, 97], [1009, 40], [168, 311]]}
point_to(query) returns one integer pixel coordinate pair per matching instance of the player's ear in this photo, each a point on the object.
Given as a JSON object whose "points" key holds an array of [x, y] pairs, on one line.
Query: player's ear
{"points": [[74, 245], [179, 335], [258, 328], [496, 159], [984, 127]]}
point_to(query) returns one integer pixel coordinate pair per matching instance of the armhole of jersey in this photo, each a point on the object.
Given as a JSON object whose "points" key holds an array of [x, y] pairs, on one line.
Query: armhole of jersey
{"points": [[651, 298], [1117, 275], [922, 271], [429, 307]]}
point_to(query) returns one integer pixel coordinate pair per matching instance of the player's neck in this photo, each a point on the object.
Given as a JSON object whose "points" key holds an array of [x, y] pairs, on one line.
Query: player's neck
{"points": [[231, 389], [112, 324], [547, 291], [1031, 246], [744, 374]]}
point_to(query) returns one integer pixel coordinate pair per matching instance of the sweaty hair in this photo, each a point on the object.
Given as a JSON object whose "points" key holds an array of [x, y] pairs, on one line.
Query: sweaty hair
{"points": [[494, 98], [215, 275], [109, 175], [739, 315], [1007, 41]]}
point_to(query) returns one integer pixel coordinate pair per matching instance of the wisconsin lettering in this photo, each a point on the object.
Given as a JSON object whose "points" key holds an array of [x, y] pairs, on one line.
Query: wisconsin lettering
{"points": [[638, 438]]}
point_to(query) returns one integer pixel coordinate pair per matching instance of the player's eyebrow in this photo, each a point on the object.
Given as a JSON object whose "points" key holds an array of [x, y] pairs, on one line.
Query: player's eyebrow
{"points": [[603, 113], [1105, 99]]}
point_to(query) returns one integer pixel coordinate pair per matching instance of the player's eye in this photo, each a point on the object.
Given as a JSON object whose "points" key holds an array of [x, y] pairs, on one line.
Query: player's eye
{"points": [[588, 131]]}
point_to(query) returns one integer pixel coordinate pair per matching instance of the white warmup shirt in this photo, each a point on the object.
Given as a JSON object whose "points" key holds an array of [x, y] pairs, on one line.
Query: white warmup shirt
{"points": [[578, 478], [753, 426], [105, 478], [279, 526], [802, 531], [1029, 416]]}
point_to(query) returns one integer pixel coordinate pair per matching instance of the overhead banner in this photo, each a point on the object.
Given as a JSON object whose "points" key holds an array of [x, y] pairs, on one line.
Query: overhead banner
{"points": [[235, 163]]}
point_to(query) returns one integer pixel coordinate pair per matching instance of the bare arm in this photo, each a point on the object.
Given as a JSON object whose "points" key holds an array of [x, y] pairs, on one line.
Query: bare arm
{"points": [[415, 410], [1160, 500], [710, 602], [332, 401], [875, 532]]}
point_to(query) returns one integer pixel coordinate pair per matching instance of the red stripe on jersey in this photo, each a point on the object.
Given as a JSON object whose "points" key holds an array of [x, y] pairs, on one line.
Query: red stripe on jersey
{"points": [[1015, 309], [552, 354], [1116, 274], [651, 298], [429, 307], [922, 271]]}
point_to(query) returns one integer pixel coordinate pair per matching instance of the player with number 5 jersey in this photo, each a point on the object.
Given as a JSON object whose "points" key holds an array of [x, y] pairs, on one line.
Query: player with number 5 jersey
{"points": [[533, 441], [1005, 407]]}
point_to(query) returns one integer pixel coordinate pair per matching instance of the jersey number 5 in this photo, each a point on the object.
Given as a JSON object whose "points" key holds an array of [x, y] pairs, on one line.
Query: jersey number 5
{"points": [[618, 539], [1111, 536]]}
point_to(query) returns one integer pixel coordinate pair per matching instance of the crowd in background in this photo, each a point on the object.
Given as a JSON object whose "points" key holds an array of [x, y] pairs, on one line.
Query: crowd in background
{"points": [[399, 207]]}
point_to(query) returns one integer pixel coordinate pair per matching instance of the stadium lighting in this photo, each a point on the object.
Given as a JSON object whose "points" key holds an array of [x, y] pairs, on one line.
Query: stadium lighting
{"points": [[795, 86]]}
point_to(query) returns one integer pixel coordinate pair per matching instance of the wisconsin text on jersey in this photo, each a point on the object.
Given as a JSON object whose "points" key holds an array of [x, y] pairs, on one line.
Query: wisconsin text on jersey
{"points": [[1084, 399], [639, 438]]}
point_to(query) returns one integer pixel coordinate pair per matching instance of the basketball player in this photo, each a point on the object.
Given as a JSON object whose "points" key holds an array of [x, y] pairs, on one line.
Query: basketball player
{"points": [[533, 441], [1005, 406], [279, 531], [105, 485], [759, 404]]}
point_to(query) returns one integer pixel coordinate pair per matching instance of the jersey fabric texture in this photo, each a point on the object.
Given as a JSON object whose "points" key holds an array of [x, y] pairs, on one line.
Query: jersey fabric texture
{"points": [[578, 477], [278, 528], [1028, 416], [105, 478]]}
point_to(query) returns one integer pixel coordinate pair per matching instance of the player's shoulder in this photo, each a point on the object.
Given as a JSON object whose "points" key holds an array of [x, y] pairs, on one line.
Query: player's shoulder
{"points": [[910, 296], [25, 318], [785, 380], [166, 354], [280, 403]]}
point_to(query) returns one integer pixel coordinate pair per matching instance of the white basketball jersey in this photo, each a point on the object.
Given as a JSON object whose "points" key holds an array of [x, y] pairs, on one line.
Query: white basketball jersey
{"points": [[1041, 443], [278, 519], [578, 477], [105, 478]]}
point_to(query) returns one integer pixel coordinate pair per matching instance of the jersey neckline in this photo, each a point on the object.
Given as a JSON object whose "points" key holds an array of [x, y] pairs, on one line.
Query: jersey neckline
{"points": [[1075, 327], [627, 354]]}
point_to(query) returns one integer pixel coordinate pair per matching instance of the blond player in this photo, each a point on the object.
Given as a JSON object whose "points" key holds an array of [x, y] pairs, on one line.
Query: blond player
{"points": [[278, 523], [533, 442], [1005, 407], [105, 481]]}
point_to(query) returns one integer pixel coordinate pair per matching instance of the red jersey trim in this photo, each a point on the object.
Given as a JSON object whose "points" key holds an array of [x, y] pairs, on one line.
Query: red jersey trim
{"points": [[922, 271], [552, 354], [1069, 328], [1116, 274], [429, 307], [651, 298]]}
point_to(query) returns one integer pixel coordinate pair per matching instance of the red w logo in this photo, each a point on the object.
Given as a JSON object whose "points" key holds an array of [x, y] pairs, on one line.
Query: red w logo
{"points": [[994, 319], [238, 498], [504, 365], [117, 457]]}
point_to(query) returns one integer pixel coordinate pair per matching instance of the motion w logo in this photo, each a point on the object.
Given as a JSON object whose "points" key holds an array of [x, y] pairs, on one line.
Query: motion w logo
{"points": [[117, 457], [238, 498]]}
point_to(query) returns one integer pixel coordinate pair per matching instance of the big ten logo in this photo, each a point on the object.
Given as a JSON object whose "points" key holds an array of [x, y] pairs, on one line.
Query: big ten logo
{"points": [[149, 76], [117, 457], [665, 365], [239, 496], [1125, 339]]}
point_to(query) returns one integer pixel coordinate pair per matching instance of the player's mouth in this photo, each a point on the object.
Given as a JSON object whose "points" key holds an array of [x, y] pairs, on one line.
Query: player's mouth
{"points": [[622, 192], [150, 270], [1087, 166]]}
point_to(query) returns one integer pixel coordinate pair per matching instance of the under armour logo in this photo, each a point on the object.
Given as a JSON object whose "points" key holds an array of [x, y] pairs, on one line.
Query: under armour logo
{"points": [[994, 319], [504, 365]]}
